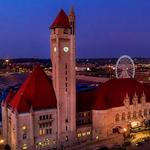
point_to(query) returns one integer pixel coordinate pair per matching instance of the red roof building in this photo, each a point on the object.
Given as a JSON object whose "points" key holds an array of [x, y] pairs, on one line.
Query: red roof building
{"points": [[61, 21], [85, 100], [112, 93], [36, 92]]}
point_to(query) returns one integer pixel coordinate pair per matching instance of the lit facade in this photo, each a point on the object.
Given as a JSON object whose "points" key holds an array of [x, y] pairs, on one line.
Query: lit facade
{"points": [[46, 114]]}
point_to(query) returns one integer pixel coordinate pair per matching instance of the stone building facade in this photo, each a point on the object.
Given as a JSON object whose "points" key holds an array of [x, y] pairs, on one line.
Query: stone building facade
{"points": [[49, 113]]}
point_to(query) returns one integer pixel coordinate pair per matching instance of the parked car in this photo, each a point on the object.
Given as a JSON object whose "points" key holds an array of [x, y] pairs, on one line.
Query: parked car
{"points": [[139, 143], [126, 143]]}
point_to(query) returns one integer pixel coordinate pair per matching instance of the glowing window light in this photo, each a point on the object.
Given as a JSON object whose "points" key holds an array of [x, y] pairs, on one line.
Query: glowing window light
{"points": [[41, 132], [79, 135], [83, 134], [124, 129], [24, 146], [24, 127], [88, 133], [54, 142], [1, 141], [44, 131]]}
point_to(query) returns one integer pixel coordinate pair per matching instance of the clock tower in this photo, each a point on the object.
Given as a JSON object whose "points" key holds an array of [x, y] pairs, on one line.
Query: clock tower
{"points": [[62, 43]]}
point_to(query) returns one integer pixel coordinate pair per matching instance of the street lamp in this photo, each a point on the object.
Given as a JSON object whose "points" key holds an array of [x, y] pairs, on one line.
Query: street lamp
{"points": [[1, 141], [124, 129]]}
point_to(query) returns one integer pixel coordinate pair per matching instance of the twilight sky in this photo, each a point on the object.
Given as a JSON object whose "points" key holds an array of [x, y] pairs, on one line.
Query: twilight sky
{"points": [[105, 28]]}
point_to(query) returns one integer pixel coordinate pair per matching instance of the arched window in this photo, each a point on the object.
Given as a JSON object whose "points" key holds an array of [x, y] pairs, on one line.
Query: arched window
{"points": [[145, 112], [117, 118], [129, 115], [134, 114], [65, 31], [140, 113], [123, 116], [115, 130], [24, 136]]}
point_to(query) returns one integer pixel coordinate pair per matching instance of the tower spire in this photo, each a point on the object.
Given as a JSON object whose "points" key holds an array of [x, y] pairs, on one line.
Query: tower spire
{"points": [[62, 42], [72, 20], [72, 13]]}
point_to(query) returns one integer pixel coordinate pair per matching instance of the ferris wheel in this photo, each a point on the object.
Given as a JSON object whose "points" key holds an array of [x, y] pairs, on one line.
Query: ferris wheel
{"points": [[125, 67]]}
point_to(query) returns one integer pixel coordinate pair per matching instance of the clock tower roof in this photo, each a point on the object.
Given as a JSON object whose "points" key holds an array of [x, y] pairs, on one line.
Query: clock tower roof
{"points": [[61, 21]]}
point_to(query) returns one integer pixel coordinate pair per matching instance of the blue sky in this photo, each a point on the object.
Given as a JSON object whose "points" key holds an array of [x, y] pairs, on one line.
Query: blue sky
{"points": [[105, 28]]}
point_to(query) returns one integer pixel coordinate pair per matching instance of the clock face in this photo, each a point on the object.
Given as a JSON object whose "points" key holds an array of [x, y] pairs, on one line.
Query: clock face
{"points": [[66, 49], [55, 49]]}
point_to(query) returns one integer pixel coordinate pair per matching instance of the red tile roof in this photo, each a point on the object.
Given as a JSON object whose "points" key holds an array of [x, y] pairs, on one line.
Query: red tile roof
{"points": [[61, 21], [36, 92], [112, 93], [85, 100]]}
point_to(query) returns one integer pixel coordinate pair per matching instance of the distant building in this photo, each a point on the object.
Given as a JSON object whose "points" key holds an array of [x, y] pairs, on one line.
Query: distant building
{"points": [[45, 114]]}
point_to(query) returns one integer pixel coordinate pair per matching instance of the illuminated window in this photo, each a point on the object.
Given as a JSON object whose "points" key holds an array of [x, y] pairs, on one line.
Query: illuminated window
{"points": [[24, 127], [83, 134], [44, 131], [66, 138], [79, 135], [24, 146], [40, 143], [84, 114], [54, 142], [88, 133], [41, 132], [1, 141]]}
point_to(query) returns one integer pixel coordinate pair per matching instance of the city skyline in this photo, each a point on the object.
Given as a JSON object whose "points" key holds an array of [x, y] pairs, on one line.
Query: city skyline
{"points": [[110, 30], [63, 105]]}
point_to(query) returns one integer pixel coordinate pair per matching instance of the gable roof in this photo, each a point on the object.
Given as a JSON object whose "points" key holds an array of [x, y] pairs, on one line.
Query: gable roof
{"points": [[61, 21], [36, 92]]}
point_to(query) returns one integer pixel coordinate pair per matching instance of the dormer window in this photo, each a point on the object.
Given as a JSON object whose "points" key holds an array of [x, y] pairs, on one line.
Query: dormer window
{"points": [[65, 31]]}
